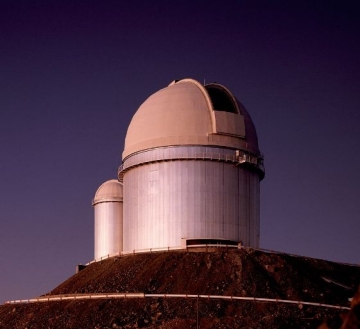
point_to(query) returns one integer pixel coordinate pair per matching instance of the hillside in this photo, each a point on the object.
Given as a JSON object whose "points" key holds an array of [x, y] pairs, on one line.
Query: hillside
{"points": [[243, 272]]}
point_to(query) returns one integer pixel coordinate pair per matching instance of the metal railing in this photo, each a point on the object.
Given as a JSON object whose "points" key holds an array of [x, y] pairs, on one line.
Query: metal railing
{"points": [[205, 247], [152, 250], [73, 297], [190, 153]]}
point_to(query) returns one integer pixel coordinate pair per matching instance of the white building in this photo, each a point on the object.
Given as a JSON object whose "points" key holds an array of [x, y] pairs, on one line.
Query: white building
{"points": [[191, 170]]}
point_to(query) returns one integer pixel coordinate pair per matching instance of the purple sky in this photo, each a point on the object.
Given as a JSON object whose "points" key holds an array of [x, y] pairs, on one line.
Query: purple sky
{"points": [[72, 74]]}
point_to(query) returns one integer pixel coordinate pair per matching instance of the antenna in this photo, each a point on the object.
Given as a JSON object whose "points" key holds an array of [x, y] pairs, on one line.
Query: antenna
{"points": [[204, 81]]}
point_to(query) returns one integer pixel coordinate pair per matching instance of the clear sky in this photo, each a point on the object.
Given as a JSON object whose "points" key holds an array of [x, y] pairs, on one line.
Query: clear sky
{"points": [[72, 74]]}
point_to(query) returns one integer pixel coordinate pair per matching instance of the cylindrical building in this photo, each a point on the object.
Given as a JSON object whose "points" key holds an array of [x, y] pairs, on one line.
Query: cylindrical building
{"points": [[191, 169], [108, 208]]}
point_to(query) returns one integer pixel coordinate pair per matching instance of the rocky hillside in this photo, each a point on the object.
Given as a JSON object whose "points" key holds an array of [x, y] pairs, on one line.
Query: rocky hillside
{"points": [[243, 272]]}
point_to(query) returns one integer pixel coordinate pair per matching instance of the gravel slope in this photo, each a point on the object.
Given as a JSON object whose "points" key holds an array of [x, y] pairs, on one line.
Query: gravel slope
{"points": [[243, 272]]}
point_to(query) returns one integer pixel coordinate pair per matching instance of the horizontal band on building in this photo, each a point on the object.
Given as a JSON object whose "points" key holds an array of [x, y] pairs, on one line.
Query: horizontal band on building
{"points": [[192, 152]]}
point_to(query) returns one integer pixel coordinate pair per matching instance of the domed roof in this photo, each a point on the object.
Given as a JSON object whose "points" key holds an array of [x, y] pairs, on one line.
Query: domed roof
{"points": [[188, 113], [110, 191]]}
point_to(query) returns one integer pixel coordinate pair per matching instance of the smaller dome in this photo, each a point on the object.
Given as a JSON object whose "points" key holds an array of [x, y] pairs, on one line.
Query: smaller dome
{"points": [[110, 191]]}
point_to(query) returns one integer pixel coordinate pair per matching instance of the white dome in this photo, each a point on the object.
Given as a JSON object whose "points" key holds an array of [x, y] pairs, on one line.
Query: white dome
{"points": [[188, 113], [110, 191]]}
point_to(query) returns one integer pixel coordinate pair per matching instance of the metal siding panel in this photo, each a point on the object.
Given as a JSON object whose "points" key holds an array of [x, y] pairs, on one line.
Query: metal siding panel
{"points": [[108, 229], [167, 201]]}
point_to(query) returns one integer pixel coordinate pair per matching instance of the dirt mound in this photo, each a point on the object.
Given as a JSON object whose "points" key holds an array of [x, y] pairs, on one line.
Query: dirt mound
{"points": [[243, 272]]}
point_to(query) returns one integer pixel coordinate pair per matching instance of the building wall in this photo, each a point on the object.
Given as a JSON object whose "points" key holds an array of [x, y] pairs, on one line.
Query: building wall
{"points": [[108, 228], [189, 196]]}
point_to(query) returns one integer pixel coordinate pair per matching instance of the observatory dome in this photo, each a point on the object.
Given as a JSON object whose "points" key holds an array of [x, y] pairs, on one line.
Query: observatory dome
{"points": [[191, 170], [108, 211], [110, 191], [189, 113]]}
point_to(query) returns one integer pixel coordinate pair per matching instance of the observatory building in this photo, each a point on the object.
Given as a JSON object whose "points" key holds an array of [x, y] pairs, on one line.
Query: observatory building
{"points": [[191, 171], [108, 207]]}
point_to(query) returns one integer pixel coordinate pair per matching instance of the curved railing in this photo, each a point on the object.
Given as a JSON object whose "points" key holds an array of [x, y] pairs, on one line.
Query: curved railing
{"points": [[204, 247], [152, 250], [73, 297], [189, 152]]}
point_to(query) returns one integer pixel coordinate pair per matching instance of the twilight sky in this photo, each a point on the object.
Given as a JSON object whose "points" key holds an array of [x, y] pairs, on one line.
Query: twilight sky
{"points": [[72, 74]]}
